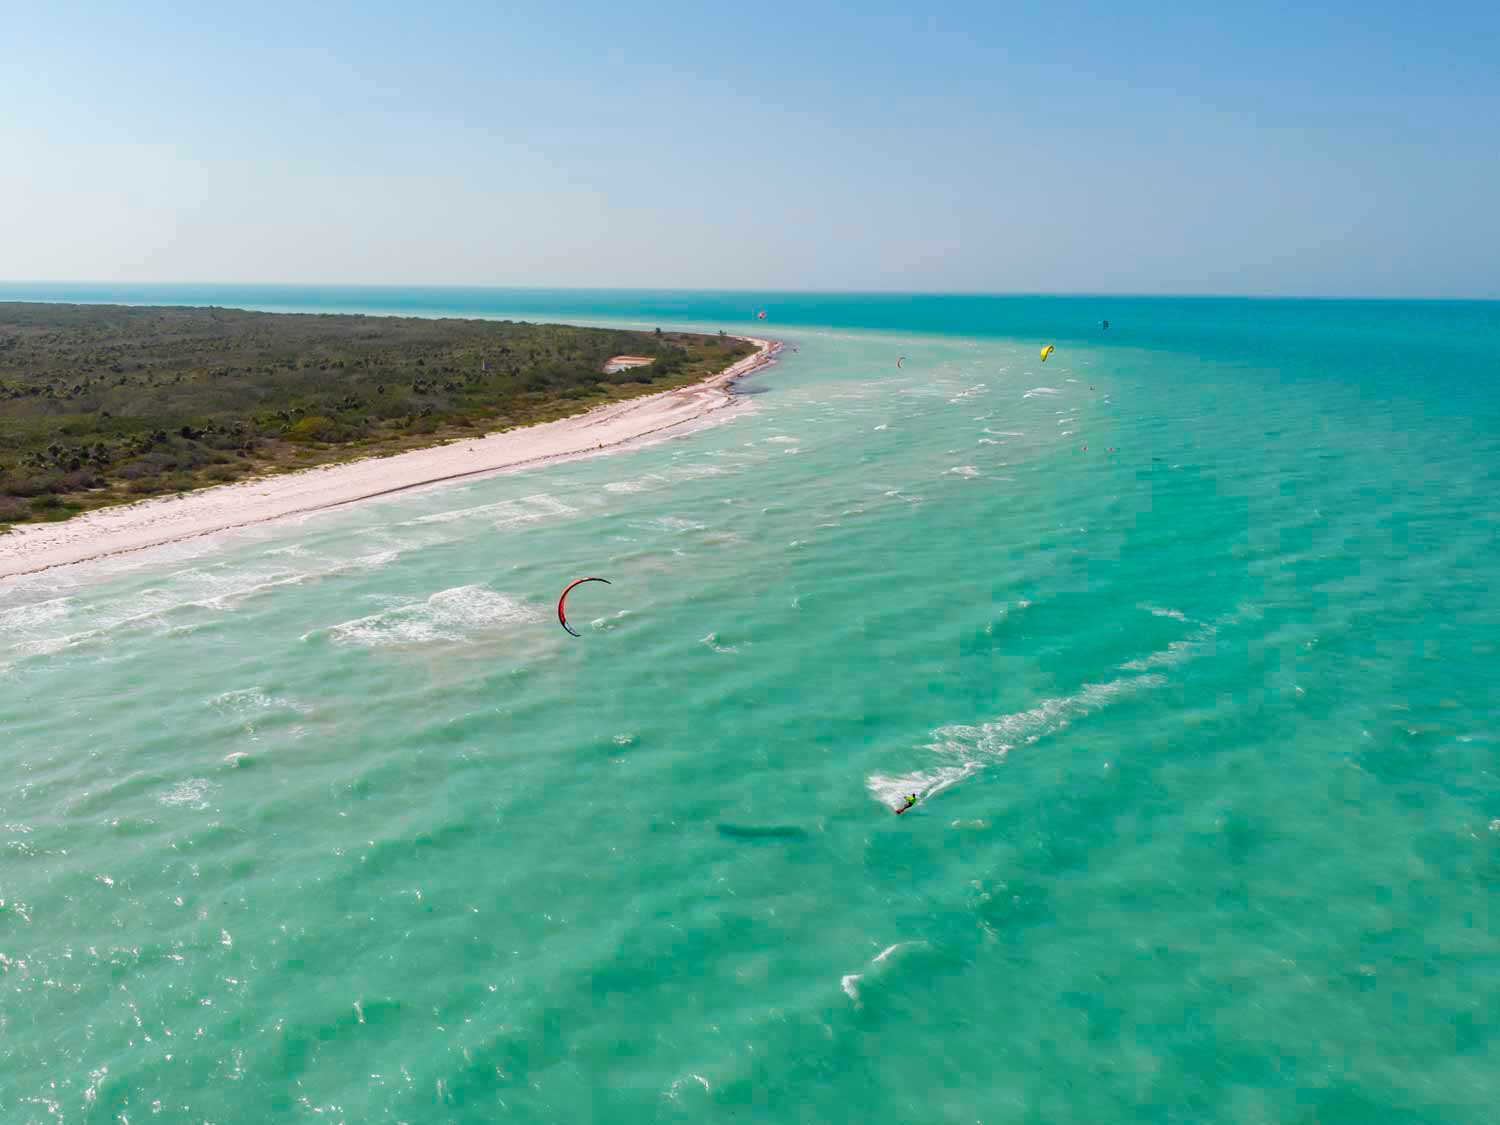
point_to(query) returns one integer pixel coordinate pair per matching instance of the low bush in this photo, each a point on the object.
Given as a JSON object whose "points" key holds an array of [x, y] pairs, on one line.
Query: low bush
{"points": [[315, 427], [76, 481]]}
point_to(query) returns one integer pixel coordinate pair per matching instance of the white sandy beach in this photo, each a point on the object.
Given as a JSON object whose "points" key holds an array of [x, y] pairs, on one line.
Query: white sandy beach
{"points": [[151, 523]]}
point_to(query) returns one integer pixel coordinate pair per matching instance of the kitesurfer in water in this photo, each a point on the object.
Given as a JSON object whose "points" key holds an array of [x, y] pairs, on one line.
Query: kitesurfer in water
{"points": [[911, 799]]}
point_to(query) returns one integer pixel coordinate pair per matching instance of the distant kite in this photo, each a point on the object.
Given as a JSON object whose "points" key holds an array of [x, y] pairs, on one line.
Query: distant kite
{"points": [[562, 618], [1104, 324], [899, 360], [1048, 350], [761, 315]]}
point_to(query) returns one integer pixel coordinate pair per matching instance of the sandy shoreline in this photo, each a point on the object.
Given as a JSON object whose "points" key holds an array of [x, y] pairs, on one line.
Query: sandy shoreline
{"points": [[30, 548]]}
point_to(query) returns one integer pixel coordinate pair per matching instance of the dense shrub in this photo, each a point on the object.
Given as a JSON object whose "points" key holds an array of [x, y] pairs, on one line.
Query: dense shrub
{"points": [[155, 463], [315, 427], [76, 481], [17, 485]]}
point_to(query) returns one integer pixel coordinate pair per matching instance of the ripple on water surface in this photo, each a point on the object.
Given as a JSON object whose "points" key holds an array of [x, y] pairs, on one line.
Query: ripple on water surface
{"points": [[1203, 725]]}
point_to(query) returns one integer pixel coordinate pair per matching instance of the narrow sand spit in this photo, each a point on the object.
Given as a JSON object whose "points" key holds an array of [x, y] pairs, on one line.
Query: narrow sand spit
{"points": [[151, 523]]}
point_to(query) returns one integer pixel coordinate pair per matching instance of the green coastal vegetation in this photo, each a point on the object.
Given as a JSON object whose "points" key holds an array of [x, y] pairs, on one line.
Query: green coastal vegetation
{"points": [[101, 404]]}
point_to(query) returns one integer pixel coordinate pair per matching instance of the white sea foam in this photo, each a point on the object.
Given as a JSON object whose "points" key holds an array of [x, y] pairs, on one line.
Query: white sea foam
{"points": [[891, 791], [448, 615], [782, 439], [999, 736], [1039, 392], [715, 642], [142, 607], [504, 513], [983, 744], [1175, 653], [698, 472], [964, 471], [26, 618], [669, 523], [1158, 611], [639, 484], [674, 1091], [850, 980], [974, 747], [252, 701], [228, 590], [215, 587], [192, 793], [890, 949]]}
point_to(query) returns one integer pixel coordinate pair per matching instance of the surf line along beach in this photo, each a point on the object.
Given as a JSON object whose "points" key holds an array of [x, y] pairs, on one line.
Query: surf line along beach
{"points": [[105, 532]]}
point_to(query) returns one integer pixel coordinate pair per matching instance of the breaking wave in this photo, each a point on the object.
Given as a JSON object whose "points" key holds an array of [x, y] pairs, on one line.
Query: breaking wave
{"points": [[505, 513], [448, 615]]}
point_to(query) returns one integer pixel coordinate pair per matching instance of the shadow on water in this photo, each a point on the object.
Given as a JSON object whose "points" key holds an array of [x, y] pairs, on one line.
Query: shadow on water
{"points": [[762, 832]]}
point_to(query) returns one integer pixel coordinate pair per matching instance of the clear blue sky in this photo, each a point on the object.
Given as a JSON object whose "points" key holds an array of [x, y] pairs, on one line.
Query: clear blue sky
{"points": [[1335, 149]]}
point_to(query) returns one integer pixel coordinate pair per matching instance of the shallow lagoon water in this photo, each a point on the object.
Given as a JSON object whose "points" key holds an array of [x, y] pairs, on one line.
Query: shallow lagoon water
{"points": [[330, 818]]}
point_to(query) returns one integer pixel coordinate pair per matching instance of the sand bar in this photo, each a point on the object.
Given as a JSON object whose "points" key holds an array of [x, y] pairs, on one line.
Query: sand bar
{"points": [[29, 548]]}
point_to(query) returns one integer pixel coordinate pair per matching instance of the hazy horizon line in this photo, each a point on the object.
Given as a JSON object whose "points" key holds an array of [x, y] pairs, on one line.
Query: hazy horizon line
{"points": [[1017, 293]]}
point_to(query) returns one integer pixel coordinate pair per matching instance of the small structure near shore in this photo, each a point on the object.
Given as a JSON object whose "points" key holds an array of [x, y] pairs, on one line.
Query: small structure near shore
{"points": [[626, 362]]}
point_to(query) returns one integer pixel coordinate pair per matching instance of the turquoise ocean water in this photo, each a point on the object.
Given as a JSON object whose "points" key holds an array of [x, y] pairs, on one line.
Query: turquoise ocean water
{"points": [[329, 819]]}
